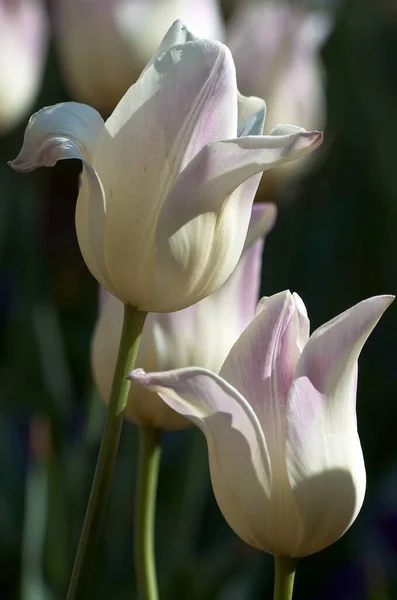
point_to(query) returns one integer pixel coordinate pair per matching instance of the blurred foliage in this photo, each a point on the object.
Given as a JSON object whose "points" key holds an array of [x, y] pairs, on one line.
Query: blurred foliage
{"points": [[335, 243]]}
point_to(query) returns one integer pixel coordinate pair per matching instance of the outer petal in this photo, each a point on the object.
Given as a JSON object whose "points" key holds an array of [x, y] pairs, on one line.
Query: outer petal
{"points": [[185, 100], [71, 130], [66, 130], [261, 365], [239, 462], [203, 225], [325, 464]]}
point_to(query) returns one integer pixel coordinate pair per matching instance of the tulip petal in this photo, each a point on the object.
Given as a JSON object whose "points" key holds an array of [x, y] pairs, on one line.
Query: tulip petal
{"points": [[204, 333], [261, 366], [202, 225], [63, 131], [251, 115], [238, 457], [324, 458], [178, 33], [66, 130], [150, 137]]}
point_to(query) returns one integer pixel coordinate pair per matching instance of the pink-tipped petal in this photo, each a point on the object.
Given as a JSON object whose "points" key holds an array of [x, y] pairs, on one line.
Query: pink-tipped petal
{"points": [[325, 463], [261, 366], [238, 457]]}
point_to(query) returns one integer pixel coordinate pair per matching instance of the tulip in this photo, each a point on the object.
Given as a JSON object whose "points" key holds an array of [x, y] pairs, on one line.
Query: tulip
{"points": [[281, 61], [23, 35], [280, 422], [162, 214], [104, 44], [201, 334]]}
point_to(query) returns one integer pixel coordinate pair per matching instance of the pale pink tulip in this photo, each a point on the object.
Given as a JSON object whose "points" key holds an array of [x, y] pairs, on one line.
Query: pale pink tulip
{"points": [[162, 214], [201, 334], [280, 421]]}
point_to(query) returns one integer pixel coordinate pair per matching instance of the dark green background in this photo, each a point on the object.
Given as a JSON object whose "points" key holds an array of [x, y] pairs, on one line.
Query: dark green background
{"points": [[335, 243]]}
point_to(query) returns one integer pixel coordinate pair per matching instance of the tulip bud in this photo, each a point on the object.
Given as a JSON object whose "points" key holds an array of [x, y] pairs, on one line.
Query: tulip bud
{"points": [[280, 421], [103, 45], [200, 335], [23, 35], [169, 180]]}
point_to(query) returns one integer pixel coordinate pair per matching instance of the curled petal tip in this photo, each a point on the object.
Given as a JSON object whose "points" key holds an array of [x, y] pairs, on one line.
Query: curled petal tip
{"points": [[313, 138], [20, 166], [317, 137], [137, 375]]}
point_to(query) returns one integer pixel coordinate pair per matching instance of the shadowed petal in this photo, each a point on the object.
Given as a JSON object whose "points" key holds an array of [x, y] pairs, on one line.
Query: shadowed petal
{"points": [[201, 207], [324, 458]]}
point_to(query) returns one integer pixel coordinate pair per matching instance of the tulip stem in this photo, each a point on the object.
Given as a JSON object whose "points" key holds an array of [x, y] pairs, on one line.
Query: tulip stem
{"points": [[131, 333], [284, 576], [145, 510]]}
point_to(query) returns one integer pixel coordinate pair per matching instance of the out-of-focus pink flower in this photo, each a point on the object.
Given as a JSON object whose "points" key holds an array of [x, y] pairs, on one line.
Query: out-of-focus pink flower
{"points": [[280, 421], [169, 180], [200, 335], [275, 47], [104, 44], [23, 36]]}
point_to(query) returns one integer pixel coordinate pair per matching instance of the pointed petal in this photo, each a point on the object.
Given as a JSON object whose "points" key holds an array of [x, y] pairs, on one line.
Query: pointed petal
{"points": [[333, 349], [324, 458], [239, 462], [71, 130], [150, 137], [178, 33], [261, 366], [200, 241]]}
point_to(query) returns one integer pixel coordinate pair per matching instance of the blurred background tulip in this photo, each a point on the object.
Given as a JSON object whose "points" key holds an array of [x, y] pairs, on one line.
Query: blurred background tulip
{"points": [[276, 49], [23, 36], [103, 45]]}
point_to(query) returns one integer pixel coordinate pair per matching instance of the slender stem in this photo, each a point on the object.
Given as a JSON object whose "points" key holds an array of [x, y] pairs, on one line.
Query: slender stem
{"points": [[145, 509], [285, 568], [90, 534]]}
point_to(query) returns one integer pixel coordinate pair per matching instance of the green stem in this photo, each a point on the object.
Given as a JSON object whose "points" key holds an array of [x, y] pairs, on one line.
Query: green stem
{"points": [[130, 337], [149, 460], [285, 568]]}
